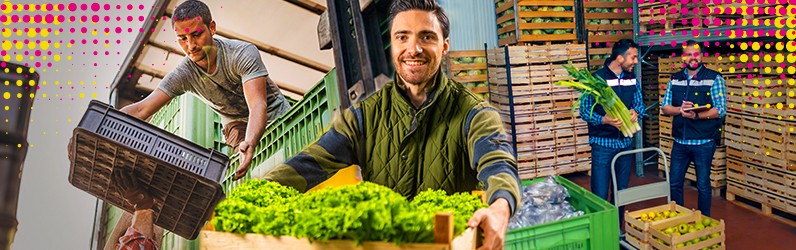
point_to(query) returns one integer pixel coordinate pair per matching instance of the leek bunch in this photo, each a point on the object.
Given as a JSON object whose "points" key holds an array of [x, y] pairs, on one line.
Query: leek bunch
{"points": [[603, 94]]}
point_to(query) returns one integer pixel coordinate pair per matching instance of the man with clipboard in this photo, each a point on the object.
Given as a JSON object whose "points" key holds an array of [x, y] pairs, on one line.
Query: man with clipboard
{"points": [[696, 97]]}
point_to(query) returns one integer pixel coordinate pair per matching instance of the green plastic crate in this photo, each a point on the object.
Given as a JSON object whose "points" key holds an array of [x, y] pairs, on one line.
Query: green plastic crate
{"points": [[597, 229], [301, 125]]}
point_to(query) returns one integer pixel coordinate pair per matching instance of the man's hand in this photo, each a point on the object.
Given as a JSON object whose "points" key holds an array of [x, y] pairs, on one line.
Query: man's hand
{"points": [[493, 220], [246, 151], [132, 190], [607, 119], [687, 114], [633, 115]]}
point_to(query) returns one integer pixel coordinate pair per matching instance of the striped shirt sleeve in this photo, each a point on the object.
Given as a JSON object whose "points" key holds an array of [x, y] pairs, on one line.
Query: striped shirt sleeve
{"points": [[334, 150], [492, 156], [638, 101]]}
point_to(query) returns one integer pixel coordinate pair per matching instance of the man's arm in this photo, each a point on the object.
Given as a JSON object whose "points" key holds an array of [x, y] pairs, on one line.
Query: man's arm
{"points": [[638, 103], [492, 157], [335, 150], [586, 112], [145, 108], [255, 92], [666, 104], [719, 94]]}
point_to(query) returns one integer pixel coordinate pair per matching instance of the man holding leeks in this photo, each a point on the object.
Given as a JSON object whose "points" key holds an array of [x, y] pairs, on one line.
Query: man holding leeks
{"points": [[607, 136], [695, 131]]}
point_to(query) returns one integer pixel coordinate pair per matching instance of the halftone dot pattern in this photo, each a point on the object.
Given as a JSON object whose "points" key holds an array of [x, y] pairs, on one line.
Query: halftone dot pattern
{"points": [[32, 36]]}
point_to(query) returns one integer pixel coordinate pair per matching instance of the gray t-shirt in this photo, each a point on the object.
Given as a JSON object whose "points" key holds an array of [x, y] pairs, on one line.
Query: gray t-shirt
{"points": [[237, 62]]}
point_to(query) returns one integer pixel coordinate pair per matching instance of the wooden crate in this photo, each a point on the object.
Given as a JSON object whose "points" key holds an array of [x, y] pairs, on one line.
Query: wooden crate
{"points": [[537, 54], [665, 123], [443, 235], [560, 160], [546, 139], [521, 21], [534, 104], [530, 126], [468, 67], [671, 242], [718, 169], [530, 79], [640, 229], [597, 57], [608, 27]]}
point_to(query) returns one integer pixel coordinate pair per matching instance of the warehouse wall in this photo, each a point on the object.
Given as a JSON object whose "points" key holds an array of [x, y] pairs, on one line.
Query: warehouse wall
{"points": [[472, 24]]}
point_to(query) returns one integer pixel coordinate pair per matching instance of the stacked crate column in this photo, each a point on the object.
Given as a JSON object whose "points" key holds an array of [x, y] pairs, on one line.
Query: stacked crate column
{"points": [[535, 21]]}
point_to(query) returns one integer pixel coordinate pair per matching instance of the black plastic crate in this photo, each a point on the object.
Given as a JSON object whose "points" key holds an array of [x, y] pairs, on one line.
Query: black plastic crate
{"points": [[184, 200], [104, 120], [20, 84], [174, 170]]}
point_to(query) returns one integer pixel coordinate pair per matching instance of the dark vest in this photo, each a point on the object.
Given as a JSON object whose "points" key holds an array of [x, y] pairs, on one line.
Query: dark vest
{"points": [[696, 90], [625, 88]]}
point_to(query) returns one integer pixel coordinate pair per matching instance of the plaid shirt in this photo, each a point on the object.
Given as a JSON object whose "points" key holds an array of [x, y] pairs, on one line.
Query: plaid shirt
{"points": [[597, 119], [719, 93], [134, 240]]}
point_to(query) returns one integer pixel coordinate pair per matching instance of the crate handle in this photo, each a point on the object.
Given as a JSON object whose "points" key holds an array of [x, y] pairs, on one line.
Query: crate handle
{"points": [[209, 157]]}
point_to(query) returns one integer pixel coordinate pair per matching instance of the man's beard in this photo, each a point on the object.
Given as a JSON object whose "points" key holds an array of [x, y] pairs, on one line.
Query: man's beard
{"points": [[688, 66]]}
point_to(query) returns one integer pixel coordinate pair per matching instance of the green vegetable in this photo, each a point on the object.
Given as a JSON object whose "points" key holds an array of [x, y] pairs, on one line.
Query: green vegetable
{"points": [[596, 87], [362, 212]]}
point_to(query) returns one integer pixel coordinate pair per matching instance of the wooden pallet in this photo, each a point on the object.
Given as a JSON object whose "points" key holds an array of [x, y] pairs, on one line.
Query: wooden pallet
{"points": [[762, 202], [520, 28]]}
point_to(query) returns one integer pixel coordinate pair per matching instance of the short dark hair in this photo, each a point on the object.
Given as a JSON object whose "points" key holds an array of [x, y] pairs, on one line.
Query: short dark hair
{"points": [[692, 43], [620, 48], [399, 6], [192, 9]]}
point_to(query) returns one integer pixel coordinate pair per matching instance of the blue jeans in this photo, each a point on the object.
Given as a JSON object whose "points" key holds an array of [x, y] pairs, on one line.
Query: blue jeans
{"points": [[601, 170], [702, 156]]}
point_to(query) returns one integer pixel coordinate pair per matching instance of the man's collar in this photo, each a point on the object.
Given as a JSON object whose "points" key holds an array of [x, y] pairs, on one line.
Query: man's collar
{"points": [[437, 79]]}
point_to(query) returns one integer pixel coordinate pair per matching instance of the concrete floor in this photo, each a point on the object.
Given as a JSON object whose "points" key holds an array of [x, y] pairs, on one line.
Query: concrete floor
{"points": [[746, 229]]}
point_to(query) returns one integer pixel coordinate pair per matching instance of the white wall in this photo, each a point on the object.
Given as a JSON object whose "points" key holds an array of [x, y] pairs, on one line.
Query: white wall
{"points": [[52, 213]]}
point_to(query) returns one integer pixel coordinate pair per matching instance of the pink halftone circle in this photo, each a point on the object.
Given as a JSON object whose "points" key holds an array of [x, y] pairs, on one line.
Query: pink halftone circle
{"points": [[118, 30], [118, 7], [2, 64], [25, 18], [3, 19], [95, 41], [72, 19], [49, 18], [71, 30], [107, 6], [95, 7], [84, 41], [95, 19], [118, 19], [84, 19], [83, 30], [130, 7], [141, 18], [83, 7], [38, 64], [107, 19], [129, 18], [141, 7], [107, 30], [48, 66], [25, 7]]}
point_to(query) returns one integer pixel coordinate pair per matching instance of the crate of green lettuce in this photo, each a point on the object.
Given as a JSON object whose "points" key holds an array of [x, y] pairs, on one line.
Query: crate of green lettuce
{"points": [[593, 224]]}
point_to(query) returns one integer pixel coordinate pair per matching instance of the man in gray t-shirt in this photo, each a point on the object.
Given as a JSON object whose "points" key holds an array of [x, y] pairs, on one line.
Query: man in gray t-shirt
{"points": [[228, 75]]}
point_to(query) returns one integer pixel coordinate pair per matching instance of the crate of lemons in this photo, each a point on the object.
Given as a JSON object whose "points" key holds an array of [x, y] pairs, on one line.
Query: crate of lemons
{"points": [[638, 223]]}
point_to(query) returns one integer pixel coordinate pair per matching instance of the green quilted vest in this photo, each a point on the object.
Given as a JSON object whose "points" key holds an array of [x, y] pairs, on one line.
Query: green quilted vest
{"points": [[413, 150]]}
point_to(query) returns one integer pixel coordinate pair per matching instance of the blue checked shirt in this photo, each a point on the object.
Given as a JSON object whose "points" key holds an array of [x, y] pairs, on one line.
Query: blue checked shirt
{"points": [[596, 119], [719, 93]]}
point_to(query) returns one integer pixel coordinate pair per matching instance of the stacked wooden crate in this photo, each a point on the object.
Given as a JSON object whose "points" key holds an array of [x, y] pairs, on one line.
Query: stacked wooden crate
{"points": [[521, 22], [662, 15], [549, 137], [650, 90], [468, 67], [723, 13], [718, 170], [761, 144], [606, 22]]}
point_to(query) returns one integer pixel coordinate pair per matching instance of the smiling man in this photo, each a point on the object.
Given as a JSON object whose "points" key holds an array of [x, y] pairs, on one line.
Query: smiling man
{"points": [[420, 131], [695, 132]]}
